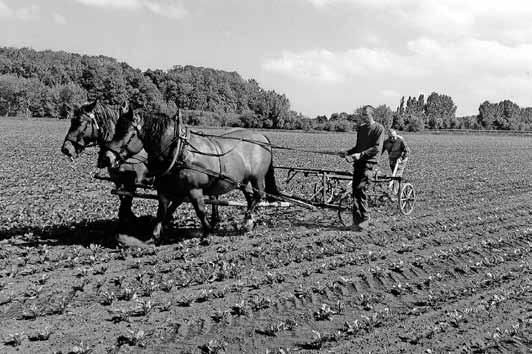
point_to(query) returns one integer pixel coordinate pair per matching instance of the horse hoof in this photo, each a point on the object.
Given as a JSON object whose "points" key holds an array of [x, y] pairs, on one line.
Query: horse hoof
{"points": [[249, 225], [127, 241]]}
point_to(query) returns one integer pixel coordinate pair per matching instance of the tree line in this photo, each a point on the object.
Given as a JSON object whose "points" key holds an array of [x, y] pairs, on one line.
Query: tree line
{"points": [[438, 111], [52, 83]]}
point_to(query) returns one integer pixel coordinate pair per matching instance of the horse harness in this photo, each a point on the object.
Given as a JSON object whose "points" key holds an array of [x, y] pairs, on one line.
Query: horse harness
{"points": [[95, 126], [181, 137], [181, 141]]}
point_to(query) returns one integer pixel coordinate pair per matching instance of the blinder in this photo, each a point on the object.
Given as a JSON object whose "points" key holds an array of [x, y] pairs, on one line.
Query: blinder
{"points": [[96, 128]]}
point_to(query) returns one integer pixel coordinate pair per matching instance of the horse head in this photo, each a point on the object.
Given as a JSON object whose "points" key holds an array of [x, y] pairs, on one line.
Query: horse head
{"points": [[83, 132], [127, 140]]}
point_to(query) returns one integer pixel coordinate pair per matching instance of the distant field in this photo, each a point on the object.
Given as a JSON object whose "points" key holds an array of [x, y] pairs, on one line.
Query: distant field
{"points": [[455, 276]]}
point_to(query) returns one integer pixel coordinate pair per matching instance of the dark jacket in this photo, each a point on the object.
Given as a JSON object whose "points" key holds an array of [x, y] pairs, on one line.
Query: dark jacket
{"points": [[396, 149], [369, 143]]}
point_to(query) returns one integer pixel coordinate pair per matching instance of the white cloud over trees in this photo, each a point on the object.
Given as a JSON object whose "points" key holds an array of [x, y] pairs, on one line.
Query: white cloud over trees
{"points": [[168, 8], [482, 48]]}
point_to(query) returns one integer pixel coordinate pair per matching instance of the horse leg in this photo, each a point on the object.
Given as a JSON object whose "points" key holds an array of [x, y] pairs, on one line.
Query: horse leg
{"points": [[253, 196], [215, 216], [162, 212], [171, 210], [196, 198], [126, 217]]}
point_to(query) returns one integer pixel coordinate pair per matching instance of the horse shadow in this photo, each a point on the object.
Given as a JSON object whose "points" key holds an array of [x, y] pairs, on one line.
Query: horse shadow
{"points": [[103, 232], [84, 232]]}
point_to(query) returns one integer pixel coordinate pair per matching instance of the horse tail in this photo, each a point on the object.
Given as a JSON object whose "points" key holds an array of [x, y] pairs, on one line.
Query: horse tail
{"points": [[270, 184]]}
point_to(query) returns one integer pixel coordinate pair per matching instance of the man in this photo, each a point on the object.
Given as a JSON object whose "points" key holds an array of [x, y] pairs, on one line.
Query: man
{"points": [[398, 152], [370, 136]]}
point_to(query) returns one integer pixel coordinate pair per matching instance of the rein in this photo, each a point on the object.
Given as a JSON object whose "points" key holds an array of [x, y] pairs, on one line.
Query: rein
{"points": [[263, 144]]}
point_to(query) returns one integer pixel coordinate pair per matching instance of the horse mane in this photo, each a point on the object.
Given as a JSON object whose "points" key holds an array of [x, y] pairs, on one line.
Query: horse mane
{"points": [[106, 116], [155, 124]]}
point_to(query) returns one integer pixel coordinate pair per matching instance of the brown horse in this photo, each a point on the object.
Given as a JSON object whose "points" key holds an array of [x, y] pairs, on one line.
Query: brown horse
{"points": [[93, 124], [191, 165]]}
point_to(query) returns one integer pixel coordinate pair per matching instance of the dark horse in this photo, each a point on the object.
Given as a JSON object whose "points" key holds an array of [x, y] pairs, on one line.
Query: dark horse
{"points": [[191, 165], [93, 124]]}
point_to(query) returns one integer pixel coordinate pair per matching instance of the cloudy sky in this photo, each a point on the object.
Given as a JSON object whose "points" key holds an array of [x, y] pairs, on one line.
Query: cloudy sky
{"points": [[325, 55]]}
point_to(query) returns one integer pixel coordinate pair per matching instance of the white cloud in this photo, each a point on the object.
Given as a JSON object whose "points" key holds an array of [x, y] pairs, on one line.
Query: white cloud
{"points": [[59, 19], [470, 70], [483, 19], [168, 8], [426, 57], [5, 11], [324, 65], [28, 13], [122, 4]]}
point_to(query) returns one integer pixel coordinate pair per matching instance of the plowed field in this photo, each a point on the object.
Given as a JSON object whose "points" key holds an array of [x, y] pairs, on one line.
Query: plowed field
{"points": [[454, 276]]}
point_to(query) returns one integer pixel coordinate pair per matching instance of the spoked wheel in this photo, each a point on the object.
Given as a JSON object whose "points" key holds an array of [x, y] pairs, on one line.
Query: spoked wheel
{"points": [[345, 210], [407, 198]]}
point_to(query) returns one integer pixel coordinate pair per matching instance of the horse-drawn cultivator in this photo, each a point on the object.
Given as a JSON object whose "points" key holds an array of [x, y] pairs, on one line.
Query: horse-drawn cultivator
{"points": [[318, 188], [332, 189]]}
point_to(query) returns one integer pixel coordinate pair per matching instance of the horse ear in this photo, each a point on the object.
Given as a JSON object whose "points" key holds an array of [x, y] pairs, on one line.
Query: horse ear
{"points": [[90, 106], [125, 107]]}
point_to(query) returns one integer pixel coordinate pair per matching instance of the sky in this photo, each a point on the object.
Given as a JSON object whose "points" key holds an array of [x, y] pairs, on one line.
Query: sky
{"points": [[325, 55]]}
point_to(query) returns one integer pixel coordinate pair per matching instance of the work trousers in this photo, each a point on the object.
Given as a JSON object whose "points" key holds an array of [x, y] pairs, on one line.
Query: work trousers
{"points": [[362, 172]]}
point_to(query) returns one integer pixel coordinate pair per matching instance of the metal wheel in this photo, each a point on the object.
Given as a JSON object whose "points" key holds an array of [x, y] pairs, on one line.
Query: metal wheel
{"points": [[332, 192], [406, 198], [345, 210]]}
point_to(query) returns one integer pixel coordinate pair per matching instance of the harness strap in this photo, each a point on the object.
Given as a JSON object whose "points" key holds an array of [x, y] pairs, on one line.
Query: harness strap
{"points": [[219, 150], [95, 122], [199, 152], [180, 139]]}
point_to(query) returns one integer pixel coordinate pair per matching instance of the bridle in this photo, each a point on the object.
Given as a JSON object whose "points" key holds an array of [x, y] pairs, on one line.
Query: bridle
{"points": [[93, 123]]}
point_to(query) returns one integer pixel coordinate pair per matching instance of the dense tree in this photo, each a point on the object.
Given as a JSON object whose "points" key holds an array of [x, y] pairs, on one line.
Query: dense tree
{"points": [[401, 107], [49, 83], [384, 115], [504, 115], [398, 122], [413, 123], [440, 111]]}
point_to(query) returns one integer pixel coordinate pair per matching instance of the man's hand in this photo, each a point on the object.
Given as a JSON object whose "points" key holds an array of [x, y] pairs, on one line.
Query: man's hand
{"points": [[356, 156]]}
